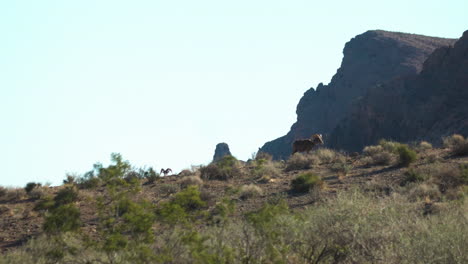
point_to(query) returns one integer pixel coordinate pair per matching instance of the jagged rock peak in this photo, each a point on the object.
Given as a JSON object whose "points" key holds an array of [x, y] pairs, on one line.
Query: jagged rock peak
{"points": [[222, 149]]}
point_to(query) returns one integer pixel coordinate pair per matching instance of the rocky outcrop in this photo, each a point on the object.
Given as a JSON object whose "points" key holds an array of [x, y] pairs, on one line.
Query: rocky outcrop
{"points": [[424, 106], [370, 59], [222, 149]]}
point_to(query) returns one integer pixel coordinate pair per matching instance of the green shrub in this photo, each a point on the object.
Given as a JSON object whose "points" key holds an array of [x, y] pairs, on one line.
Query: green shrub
{"points": [[412, 176], [66, 195], [406, 155], [45, 203], [62, 219], [70, 179], [341, 168], [168, 189], [30, 186], [151, 175], [189, 198], [306, 181], [224, 169]]}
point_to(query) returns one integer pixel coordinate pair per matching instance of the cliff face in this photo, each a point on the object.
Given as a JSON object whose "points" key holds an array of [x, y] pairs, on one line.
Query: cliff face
{"points": [[369, 59], [424, 106]]}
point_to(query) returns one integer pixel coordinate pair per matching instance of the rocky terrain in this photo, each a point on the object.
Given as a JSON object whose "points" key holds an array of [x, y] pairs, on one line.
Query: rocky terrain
{"points": [[370, 59], [423, 106]]}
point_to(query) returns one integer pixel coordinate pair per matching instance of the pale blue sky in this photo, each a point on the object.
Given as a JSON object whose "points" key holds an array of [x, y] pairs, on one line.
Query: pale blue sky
{"points": [[162, 82]]}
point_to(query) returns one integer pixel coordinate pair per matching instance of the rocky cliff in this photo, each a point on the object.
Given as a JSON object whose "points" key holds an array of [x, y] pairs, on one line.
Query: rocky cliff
{"points": [[370, 59], [424, 106]]}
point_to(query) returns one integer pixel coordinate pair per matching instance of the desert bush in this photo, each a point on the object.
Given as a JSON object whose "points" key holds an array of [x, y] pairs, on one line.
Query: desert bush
{"points": [[10, 194], [377, 155], [182, 208], [306, 181], [412, 175], [3, 191], [30, 186], [150, 175], [70, 179], [185, 173], [168, 189], [341, 168], [224, 169], [423, 191], [301, 161], [449, 177], [45, 203], [249, 191], [325, 155], [64, 218], [457, 144], [264, 156], [389, 146], [424, 146], [433, 158], [406, 155], [265, 169], [191, 180], [66, 195], [37, 193]]}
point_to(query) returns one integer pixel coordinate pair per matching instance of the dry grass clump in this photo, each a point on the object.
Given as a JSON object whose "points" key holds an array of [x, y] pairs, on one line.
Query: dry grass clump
{"points": [[224, 169], [301, 161], [424, 191], [9, 194], [449, 177], [249, 191], [378, 155], [457, 144], [424, 146], [191, 180], [326, 155], [264, 170], [185, 173], [167, 189]]}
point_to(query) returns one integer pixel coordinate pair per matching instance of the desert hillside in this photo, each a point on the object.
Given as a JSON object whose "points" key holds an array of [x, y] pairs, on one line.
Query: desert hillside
{"points": [[391, 203]]}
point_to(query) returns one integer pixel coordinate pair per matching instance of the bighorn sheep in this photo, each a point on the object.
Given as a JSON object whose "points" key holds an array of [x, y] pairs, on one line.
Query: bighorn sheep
{"points": [[306, 145], [165, 171]]}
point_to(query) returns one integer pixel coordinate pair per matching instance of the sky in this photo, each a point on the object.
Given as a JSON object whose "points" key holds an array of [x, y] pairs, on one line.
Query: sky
{"points": [[162, 82]]}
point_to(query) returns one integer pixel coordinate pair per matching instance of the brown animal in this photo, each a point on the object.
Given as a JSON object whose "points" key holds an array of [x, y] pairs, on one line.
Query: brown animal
{"points": [[306, 145], [165, 171]]}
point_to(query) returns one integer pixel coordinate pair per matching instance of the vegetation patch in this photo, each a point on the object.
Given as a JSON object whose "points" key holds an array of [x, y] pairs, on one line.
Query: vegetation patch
{"points": [[224, 169], [306, 181]]}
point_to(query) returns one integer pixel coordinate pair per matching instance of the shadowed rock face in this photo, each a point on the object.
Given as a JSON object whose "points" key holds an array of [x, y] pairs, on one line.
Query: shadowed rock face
{"points": [[370, 59], [424, 106], [222, 149]]}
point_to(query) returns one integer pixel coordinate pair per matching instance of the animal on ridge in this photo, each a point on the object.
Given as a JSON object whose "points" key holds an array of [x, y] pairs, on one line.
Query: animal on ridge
{"points": [[306, 145]]}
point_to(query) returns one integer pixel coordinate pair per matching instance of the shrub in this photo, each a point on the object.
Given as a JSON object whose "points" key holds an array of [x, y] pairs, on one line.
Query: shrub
{"points": [[301, 161], [412, 176], [36, 193], [406, 155], [45, 203], [3, 191], [424, 191], [30, 186], [151, 175], [264, 170], [457, 144], [224, 169], [264, 156], [66, 195], [191, 180], [424, 146], [341, 168], [70, 179], [377, 155], [62, 219], [449, 177], [249, 191], [189, 198], [389, 146], [168, 189], [306, 181], [325, 155]]}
